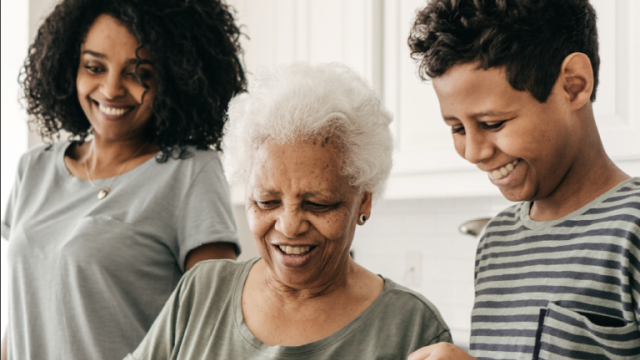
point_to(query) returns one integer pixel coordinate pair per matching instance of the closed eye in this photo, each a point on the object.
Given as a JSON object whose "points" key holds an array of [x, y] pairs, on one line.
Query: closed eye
{"points": [[268, 205], [93, 69], [315, 207], [493, 125], [458, 129]]}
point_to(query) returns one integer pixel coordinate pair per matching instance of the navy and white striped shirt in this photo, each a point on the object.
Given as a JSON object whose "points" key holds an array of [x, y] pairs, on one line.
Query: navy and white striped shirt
{"points": [[562, 289]]}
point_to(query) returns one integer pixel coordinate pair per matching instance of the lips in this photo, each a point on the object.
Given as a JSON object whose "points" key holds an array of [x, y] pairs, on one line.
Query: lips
{"points": [[503, 171], [112, 111], [294, 250], [295, 256]]}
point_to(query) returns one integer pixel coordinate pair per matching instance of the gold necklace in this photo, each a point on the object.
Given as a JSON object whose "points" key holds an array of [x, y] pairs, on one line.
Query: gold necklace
{"points": [[104, 191]]}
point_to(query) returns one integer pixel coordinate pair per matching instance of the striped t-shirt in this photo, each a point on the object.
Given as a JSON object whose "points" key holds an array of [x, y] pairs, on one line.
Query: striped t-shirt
{"points": [[562, 289]]}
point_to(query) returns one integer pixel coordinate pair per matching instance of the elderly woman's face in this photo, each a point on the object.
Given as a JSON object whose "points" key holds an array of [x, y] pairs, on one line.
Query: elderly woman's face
{"points": [[110, 95], [302, 211]]}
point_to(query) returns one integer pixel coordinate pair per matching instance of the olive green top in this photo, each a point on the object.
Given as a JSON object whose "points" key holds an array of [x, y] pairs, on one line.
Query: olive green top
{"points": [[203, 320]]}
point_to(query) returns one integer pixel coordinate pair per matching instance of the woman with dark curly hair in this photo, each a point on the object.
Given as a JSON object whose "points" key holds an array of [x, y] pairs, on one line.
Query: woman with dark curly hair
{"points": [[102, 227]]}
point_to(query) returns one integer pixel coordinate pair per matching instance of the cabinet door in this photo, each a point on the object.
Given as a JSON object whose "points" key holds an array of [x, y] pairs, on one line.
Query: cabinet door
{"points": [[426, 164], [315, 31]]}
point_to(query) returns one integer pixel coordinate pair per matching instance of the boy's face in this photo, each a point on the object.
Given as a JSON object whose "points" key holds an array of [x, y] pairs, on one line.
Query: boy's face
{"points": [[526, 147]]}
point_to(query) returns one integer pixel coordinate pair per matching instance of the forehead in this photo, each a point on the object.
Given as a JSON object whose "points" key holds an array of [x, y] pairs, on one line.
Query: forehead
{"points": [[110, 37], [300, 169], [466, 90]]}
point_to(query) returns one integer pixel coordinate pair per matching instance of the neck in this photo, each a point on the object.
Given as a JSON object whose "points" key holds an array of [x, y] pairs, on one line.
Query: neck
{"points": [[334, 285], [591, 174], [103, 153]]}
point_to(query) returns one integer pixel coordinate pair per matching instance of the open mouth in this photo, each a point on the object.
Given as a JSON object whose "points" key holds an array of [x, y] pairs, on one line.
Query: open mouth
{"points": [[503, 171], [113, 111], [295, 250]]}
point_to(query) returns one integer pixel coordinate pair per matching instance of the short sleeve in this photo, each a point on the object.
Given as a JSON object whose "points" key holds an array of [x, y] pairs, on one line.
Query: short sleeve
{"points": [[160, 341], [205, 214], [7, 219]]}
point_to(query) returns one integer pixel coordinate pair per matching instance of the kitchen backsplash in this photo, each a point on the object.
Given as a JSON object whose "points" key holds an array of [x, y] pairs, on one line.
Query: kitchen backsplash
{"points": [[416, 243]]}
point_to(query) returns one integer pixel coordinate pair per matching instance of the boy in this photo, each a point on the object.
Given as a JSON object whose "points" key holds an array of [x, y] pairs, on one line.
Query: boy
{"points": [[556, 276]]}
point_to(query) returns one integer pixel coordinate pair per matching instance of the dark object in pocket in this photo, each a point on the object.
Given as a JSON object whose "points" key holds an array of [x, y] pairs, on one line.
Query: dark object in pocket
{"points": [[603, 320]]}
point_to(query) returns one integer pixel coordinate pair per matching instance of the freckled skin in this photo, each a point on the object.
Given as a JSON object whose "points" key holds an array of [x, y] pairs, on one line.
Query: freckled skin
{"points": [[296, 194], [293, 176]]}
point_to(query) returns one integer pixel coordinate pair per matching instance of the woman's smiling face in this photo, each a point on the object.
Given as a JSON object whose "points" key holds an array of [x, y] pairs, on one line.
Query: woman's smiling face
{"points": [[302, 211], [111, 97]]}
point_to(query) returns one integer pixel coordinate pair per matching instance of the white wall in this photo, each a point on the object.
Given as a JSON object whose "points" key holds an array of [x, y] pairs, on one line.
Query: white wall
{"points": [[15, 37], [424, 234]]}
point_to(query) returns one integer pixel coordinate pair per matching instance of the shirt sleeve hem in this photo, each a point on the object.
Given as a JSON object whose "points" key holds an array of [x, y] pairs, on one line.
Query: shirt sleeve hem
{"points": [[231, 239]]}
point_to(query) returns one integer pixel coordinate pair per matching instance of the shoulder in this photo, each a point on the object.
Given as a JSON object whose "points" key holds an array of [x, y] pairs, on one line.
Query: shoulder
{"points": [[42, 156], [507, 217], [194, 162], [625, 195], [405, 301], [213, 276], [506, 223]]}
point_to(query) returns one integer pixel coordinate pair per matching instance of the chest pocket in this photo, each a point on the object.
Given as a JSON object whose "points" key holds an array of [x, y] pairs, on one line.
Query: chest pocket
{"points": [[563, 333]]}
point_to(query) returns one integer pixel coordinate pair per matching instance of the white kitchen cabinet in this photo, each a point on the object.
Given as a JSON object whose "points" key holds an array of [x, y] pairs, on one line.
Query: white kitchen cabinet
{"points": [[316, 31], [426, 164]]}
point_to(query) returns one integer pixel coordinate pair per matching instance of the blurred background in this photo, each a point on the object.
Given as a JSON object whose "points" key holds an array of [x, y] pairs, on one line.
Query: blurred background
{"points": [[413, 235]]}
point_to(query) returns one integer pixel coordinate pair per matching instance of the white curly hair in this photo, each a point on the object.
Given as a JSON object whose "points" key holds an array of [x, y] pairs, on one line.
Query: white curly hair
{"points": [[300, 102]]}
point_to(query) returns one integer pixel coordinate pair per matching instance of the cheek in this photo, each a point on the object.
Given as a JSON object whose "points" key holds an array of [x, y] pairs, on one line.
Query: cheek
{"points": [[334, 228], [83, 87], [259, 222]]}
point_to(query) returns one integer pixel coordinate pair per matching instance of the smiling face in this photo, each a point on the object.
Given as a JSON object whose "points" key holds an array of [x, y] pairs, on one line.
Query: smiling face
{"points": [[526, 147], [303, 212], [110, 95]]}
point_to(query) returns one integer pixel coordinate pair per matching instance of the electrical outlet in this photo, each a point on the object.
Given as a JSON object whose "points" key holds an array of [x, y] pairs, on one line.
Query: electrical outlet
{"points": [[413, 270]]}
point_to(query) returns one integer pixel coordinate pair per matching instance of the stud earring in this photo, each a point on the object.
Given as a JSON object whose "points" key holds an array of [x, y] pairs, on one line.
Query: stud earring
{"points": [[363, 219]]}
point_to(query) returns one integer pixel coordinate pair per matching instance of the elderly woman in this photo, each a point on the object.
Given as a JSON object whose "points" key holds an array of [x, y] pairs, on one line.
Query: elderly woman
{"points": [[314, 147]]}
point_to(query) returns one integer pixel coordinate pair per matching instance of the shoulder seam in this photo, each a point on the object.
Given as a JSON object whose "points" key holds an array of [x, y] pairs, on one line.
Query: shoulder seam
{"points": [[427, 305]]}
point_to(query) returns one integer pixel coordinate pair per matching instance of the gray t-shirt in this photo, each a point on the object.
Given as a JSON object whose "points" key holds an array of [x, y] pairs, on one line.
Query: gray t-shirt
{"points": [[87, 276], [203, 320]]}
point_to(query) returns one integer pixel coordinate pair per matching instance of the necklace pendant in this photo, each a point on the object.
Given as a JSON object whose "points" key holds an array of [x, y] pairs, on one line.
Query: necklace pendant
{"points": [[103, 193]]}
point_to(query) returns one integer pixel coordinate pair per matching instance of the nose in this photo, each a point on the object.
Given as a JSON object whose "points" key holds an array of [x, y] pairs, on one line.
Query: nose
{"points": [[112, 86], [291, 223], [478, 147]]}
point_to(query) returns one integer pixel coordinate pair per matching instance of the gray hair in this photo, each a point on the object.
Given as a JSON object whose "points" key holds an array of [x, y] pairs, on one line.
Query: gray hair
{"points": [[303, 102]]}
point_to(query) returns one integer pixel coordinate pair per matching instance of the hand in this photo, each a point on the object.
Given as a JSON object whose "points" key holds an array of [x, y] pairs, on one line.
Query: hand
{"points": [[440, 351]]}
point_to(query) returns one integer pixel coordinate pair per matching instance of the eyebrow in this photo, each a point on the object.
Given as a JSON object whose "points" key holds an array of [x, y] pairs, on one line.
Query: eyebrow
{"points": [[305, 195], [480, 115], [315, 194], [103, 56]]}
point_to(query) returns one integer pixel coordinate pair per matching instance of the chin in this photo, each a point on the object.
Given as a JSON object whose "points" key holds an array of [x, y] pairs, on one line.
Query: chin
{"points": [[517, 195]]}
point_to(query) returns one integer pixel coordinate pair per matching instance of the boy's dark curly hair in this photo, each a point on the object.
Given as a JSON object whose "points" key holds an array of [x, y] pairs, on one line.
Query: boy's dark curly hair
{"points": [[529, 38], [195, 52]]}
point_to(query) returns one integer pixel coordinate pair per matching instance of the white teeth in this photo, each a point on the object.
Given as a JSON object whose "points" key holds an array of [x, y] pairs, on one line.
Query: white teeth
{"points": [[294, 250], [503, 171], [112, 111]]}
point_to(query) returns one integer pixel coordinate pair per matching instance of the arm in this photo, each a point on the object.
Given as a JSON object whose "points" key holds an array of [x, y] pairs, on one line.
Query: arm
{"points": [[4, 346], [440, 351], [212, 251]]}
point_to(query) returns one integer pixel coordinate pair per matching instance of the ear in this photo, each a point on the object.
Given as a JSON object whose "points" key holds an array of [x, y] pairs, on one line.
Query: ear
{"points": [[576, 75], [365, 205]]}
